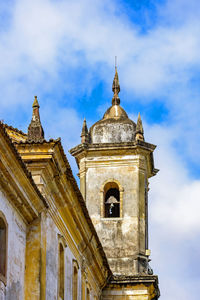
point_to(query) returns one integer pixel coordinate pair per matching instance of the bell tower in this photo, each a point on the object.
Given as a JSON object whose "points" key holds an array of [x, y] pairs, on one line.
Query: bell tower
{"points": [[115, 164]]}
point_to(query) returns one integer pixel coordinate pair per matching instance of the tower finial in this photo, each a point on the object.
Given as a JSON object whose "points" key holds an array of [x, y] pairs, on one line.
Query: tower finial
{"points": [[116, 86], [139, 129], [84, 133], [35, 102], [35, 130]]}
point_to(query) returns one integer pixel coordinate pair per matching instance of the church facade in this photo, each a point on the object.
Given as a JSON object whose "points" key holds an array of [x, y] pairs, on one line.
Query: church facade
{"points": [[60, 242]]}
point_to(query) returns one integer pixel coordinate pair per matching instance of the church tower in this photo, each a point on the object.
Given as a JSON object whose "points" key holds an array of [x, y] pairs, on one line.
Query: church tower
{"points": [[115, 164]]}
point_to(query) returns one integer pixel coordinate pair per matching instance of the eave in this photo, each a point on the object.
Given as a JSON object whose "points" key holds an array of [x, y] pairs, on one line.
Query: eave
{"points": [[15, 134], [136, 147], [16, 182]]}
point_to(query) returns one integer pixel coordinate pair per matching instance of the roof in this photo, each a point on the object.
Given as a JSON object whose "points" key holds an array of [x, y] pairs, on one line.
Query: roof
{"points": [[22, 164], [6, 126], [15, 134]]}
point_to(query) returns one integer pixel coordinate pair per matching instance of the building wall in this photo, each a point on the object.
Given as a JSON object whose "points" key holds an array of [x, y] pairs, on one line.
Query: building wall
{"points": [[16, 252], [15, 287], [52, 250], [33, 249], [128, 292], [124, 237], [51, 260], [52, 243]]}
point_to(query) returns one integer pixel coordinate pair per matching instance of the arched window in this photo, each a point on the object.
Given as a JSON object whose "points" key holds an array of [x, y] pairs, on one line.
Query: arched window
{"points": [[88, 294], [75, 281], [111, 200], [3, 247], [61, 272]]}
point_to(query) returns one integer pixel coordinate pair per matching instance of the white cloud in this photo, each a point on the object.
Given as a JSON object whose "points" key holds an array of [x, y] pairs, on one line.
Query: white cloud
{"points": [[46, 39], [175, 195], [174, 222], [44, 35]]}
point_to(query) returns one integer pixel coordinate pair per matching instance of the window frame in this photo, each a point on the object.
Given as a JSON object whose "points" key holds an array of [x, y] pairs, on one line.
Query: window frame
{"points": [[61, 252], [102, 197], [62, 242], [75, 266], [88, 293], [3, 277]]}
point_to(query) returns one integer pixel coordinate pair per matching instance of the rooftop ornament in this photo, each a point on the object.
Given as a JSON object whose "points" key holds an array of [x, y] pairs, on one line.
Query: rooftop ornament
{"points": [[35, 130]]}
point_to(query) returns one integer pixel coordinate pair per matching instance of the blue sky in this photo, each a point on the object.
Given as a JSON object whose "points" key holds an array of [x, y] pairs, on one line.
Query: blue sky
{"points": [[63, 52]]}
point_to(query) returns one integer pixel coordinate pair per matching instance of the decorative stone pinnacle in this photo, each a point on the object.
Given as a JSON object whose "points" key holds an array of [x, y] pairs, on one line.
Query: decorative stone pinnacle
{"points": [[139, 129], [116, 88], [35, 102], [35, 130], [84, 133]]}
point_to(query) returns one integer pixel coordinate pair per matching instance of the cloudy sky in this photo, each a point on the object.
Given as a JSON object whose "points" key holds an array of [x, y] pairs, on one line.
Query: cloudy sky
{"points": [[63, 52]]}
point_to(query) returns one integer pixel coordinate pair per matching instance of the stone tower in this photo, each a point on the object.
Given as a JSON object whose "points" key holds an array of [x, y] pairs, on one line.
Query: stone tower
{"points": [[115, 164]]}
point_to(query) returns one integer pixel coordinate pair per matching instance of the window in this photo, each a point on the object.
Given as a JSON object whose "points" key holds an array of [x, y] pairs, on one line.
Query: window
{"points": [[75, 281], [111, 200], [88, 294], [61, 272], [3, 247]]}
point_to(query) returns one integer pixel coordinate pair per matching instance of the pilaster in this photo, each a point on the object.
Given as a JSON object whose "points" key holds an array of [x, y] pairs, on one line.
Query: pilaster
{"points": [[82, 174]]}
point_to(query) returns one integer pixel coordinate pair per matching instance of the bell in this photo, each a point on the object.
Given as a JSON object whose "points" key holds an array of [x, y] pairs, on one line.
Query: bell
{"points": [[111, 200]]}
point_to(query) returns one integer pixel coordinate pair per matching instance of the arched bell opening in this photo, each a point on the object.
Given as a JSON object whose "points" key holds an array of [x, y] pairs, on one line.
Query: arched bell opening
{"points": [[111, 200]]}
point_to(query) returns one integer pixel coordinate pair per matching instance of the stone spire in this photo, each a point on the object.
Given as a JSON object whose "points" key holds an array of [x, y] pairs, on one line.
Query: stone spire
{"points": [[35, 130], [139, 129], [84, 133], [116, 88]]}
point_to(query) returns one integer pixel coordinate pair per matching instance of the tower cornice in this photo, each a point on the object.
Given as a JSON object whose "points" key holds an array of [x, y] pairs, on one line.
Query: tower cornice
{"points": [[112, 146], [110, 149]]}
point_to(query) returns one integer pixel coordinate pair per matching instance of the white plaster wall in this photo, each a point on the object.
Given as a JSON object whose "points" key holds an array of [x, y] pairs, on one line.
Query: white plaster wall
{"points": [[52, 265], [79, 284], [119, 236], [16, 258], [2, 290], [16, 251], [68, 273], [51, 260]]}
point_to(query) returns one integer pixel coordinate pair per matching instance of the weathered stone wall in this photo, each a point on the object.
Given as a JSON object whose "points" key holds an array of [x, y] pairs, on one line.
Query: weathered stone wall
{"points": [[52, 235], [14, 289], [51, 260], [33, 264], [114, 132], [138, 292], [25, 247], [122, 238], [66, 219], [132, 288]]}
